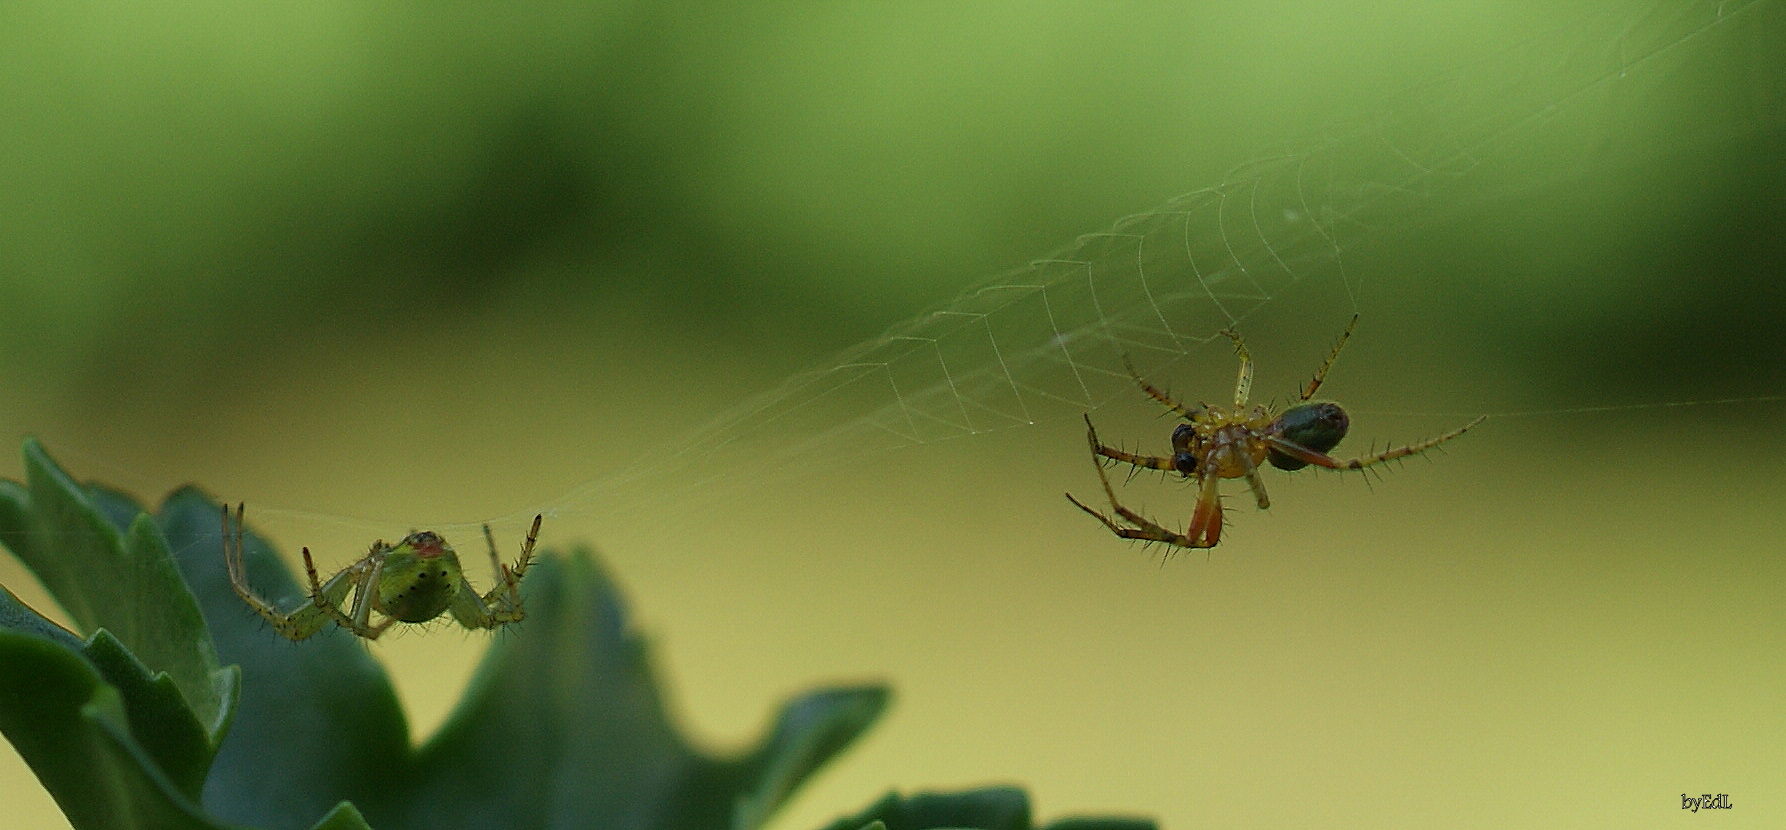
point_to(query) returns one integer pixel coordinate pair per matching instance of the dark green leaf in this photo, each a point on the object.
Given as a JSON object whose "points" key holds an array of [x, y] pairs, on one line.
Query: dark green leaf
{"points": [[126, 584], [159, 719], [563, 726], [345, 816], [992, 808], [809, 733], [1102, 823], [75, 732], [15, 615]]}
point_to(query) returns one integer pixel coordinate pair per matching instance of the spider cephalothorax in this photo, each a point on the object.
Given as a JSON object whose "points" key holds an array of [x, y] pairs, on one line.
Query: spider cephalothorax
{"points": [[414, 581], [1216, 443]]}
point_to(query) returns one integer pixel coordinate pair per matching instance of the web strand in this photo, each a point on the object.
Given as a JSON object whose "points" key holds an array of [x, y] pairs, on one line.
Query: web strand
{"points": [[1050, 340]]}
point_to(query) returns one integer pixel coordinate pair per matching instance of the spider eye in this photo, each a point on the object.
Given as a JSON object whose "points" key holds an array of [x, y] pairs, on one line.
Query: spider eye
{"points": [[1183, 437], [1314, 426], [426, 543], [1184, 459]]}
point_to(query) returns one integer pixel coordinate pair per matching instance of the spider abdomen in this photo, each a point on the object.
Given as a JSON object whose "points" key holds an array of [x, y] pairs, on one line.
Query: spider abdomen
{"points": [[1315, 426], [418, 581]]}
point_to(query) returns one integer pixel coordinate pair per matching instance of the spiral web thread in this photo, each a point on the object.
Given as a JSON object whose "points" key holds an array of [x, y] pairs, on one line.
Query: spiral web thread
{"points": [[1048, 341]]}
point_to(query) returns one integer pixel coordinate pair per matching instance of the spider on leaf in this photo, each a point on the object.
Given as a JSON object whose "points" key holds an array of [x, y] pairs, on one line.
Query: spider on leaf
{"points": [[413, 581], [1216, 443]]}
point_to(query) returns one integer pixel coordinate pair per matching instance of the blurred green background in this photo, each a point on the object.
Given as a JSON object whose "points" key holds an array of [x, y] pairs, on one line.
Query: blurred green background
{"points": [[377, 266]]}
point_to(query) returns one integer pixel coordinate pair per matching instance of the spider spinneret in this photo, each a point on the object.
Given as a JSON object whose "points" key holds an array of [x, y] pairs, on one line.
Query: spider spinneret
{"points": [[1215, 443]]}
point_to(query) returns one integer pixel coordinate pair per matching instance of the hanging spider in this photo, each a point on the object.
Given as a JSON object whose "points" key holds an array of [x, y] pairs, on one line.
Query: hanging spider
{"points": [[413, 581], [1216, 443]]}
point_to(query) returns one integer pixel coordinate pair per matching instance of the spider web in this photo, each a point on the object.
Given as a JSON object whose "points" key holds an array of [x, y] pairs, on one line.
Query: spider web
{"points": [[1048, 341]]}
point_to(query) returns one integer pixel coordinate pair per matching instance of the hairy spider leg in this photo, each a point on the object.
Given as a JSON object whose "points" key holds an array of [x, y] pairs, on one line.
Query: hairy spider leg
{"points": [[1098, 448], [359, 578], [1296, 450], [365, 592], [1321, 373], [512, 576], [1255, 482], [503, 603], [1206, 521], [1243, 385], [297, 625], [1160, 395]]}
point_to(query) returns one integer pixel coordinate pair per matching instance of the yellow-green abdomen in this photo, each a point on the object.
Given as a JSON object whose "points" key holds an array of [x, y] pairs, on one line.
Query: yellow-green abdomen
{"points": [[416, 588]]}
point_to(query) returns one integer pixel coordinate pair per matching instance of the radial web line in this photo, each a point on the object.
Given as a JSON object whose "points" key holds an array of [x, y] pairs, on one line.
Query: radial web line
{"points": [[1046, 342]]}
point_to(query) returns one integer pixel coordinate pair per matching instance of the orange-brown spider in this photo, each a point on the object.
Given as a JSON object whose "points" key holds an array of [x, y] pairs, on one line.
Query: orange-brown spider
{"points": [[1217, 443]]}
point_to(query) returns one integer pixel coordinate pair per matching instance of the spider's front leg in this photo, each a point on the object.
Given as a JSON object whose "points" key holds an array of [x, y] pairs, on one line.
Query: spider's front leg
{"points": [[300, 624], [1243, 382], [1206, 522], [502, 605], [1100, 449]]}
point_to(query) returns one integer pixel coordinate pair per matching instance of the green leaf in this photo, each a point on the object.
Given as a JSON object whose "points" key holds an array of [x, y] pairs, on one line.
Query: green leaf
{"points": [[155, 725], [159, 723], [809, 733], [345, 816], [991, 808], [563, 726], [159, 720], [77, 733], [16, 616], [126, 584]]}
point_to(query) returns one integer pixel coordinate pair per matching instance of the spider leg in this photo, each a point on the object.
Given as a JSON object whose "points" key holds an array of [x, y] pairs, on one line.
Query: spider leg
{"points": [[310, 570], [1206, 521], [503, 603], [365, 584], [520, 569], [1151, 462], [1145, 529], [1243, 385], [329, 596], [1321, 373], [238, 569], [1298, 451], [1255, 482], [297, 625], [1158, 394], [1209, 507]]}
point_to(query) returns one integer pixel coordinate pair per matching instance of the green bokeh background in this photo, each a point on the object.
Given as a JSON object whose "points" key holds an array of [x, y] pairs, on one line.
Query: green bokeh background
{"points": [[431, 263]]}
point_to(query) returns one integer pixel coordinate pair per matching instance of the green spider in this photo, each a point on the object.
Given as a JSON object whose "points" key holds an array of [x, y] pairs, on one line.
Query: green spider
{"points": [[413, 581]]}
